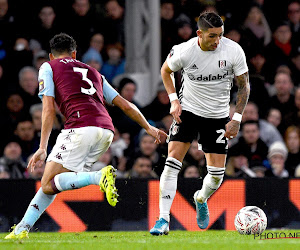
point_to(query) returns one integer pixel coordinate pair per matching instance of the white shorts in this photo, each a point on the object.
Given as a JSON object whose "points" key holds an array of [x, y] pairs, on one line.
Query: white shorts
{"points": [[79, 148]]}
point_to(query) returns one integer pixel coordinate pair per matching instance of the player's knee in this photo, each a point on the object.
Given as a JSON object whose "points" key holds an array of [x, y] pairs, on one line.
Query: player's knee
{"points": [[46, 187]]}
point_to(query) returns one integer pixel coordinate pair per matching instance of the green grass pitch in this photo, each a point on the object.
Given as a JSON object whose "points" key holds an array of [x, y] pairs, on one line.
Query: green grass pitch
{"points": [[212, 239]]}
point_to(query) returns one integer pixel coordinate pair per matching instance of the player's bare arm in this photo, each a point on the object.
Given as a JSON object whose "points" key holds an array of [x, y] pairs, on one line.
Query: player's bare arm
{"points": [[242, 81], [135, 114], [176, 108], [48, 116]]}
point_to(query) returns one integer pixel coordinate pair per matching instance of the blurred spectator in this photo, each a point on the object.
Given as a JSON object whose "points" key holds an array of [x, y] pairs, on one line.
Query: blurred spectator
{"points": [[19, 57], [259, 95], [115, 65], [279, 50], [191, 172], [11, 162], [36, 115], [295, 67], [250, 144], [97, 42], [268, 133], [28, 80], [238, 166], [114, 23], [7, 27], [167, 121], [118, 145], [104, 160], [82, 22], [45, 27], [184, 28], [195, 157], [283, 100], [127, 89], [294, 117], [168, 27], [257, 64], [159, 107], [25, 136], [147, 148], [142, 168], [118, 148], [93, 58], [274, 117], [39, 58], [233, 33], [277, 156], [12, 113], [292, 141], [256, 28], [293, 14]]}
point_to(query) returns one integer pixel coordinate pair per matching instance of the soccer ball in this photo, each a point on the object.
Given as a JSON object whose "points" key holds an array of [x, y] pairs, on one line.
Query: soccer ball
{"points": [[250, 220]]}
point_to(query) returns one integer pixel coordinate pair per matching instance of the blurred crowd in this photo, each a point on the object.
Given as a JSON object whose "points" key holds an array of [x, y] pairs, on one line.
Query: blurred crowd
{"points": [[269, 141]]}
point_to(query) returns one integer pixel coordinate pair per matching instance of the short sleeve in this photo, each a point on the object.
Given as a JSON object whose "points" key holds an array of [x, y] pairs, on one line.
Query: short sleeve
{"points": [[174, 59], [46, 84], [109, 92], [240, 65]]}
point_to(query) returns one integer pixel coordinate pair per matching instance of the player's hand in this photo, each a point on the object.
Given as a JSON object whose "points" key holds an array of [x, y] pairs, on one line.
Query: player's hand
{"points": [[37, 159], [232, 128], [156, 133], [176, 110]]}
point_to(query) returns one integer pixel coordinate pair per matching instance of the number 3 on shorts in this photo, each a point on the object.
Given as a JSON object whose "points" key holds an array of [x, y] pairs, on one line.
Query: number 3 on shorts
{"points": [[220, 138], [91, 90]]}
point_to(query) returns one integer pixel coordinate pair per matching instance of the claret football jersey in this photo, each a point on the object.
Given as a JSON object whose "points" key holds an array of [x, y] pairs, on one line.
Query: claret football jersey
{"points": [[79, 91], [207, 75]]}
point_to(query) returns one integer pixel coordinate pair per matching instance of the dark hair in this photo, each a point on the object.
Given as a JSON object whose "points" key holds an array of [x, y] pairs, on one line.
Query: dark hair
{"points": [[62, 43], [209, 19], [125, 81], [249, 122]]}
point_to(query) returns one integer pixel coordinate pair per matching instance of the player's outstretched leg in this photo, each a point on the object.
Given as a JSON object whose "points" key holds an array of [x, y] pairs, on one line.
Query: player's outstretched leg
{"points": [[211, 183], [36, 207], [105, 178]]}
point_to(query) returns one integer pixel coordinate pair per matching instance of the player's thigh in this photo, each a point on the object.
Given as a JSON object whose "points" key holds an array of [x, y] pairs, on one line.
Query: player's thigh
{"points": [[186, 131], [212, 139], [73, 146], [51, 169], [215, 160], [178, 149], [99, 149]]}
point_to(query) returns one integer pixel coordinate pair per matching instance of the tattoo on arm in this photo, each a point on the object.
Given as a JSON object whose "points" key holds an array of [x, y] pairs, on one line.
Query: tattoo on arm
{"points": [[243, 92]]}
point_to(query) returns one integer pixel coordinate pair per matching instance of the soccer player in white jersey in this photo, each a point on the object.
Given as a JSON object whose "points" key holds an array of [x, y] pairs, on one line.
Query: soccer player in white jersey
{"points": [[209, 63]]}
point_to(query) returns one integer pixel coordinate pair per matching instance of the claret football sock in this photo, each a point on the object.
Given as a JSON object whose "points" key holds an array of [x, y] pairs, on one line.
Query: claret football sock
{"points": [[37, 206], [168, 186], [72, 180], [211, 183]]}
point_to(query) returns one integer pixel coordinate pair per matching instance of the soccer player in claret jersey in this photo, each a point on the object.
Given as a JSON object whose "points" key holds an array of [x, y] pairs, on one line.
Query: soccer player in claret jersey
{"points": [[209, 63], [79, 91]]}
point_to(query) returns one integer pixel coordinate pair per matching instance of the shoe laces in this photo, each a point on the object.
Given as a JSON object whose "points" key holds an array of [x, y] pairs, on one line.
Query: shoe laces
{"points": [[203, 211], [160, 222]]}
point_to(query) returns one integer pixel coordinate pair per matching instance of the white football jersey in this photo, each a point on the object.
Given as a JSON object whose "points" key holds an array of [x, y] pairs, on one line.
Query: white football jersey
{"points": [[207, 75]]}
